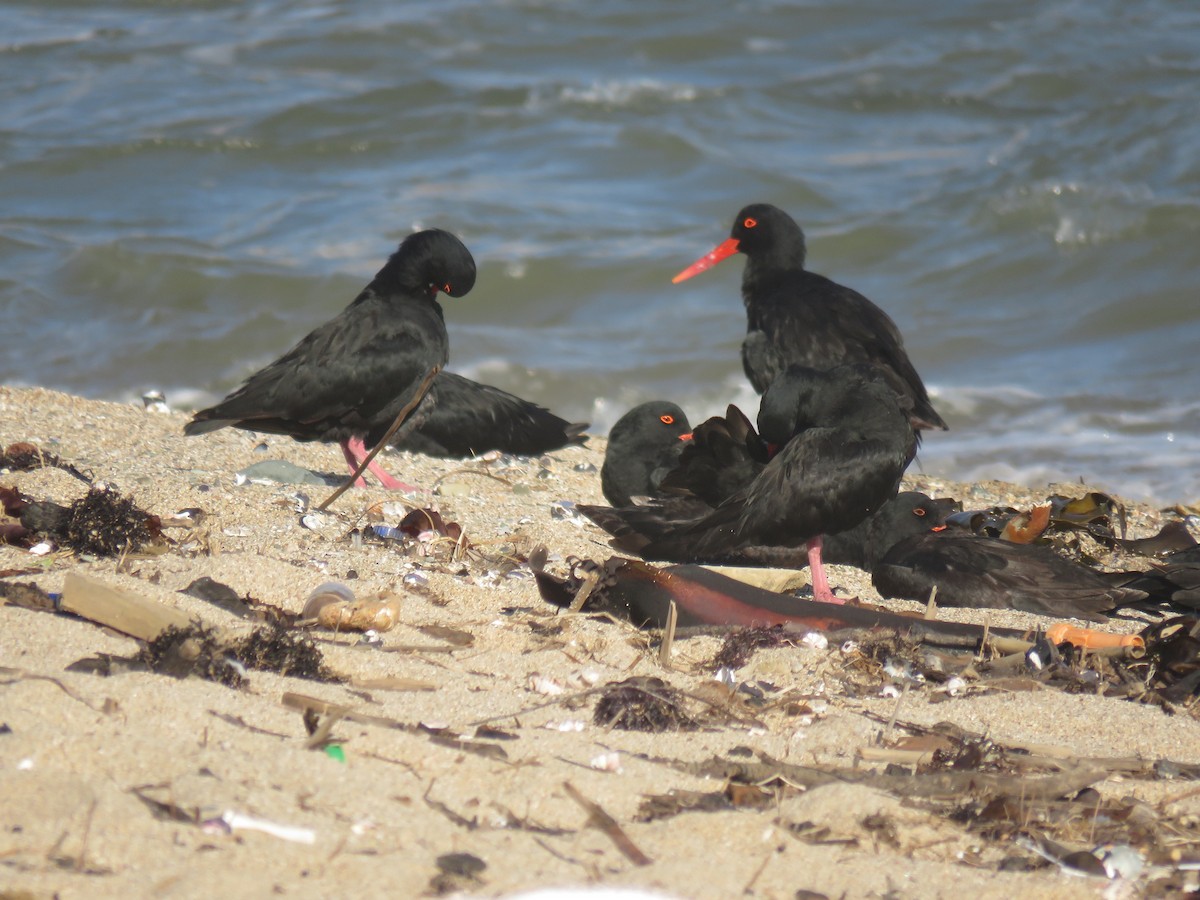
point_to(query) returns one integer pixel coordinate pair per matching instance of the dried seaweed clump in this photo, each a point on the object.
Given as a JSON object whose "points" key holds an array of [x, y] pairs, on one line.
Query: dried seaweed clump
{"points": [[274, 648], [104, 523], [642, 704], [194, 650], [740, 645], [203, 652]]}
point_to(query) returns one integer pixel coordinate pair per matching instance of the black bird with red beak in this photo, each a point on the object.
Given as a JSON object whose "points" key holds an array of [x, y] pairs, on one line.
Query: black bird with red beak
{"points": [[348, 380], [798, 318]]}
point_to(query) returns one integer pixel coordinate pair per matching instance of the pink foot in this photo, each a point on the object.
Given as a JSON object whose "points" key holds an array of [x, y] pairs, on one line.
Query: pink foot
{"points": [[355, 452], [820, 584]]}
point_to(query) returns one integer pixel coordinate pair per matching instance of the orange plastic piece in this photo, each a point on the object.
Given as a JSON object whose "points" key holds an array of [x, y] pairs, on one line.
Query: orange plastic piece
{"points": [[1089, 639]]}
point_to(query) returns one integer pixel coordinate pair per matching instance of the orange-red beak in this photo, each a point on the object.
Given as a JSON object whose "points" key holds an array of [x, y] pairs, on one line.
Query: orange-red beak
{"points": [[722, 251]]}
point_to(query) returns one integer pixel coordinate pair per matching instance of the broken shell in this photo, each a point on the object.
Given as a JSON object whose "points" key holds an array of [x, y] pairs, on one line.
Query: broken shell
{"points": [[815, 640], [318, 521], [415, 580], [155, 402], [540, 684], [323, 595]]}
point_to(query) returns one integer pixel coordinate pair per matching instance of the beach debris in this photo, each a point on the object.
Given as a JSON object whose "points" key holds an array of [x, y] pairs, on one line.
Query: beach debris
{"points": [[216, 656], [104, 523], [194, 650], [279, 471], [119, 608], [155, 401], [322, 523], [642, 703], [566, 511], [219, 595], [457, 872], [740, 644], [601, 820], [26, 595], [607, 762], [311, 707], [24, 456], [101, 523], [231, 821], [424, 532], [333, 606]]}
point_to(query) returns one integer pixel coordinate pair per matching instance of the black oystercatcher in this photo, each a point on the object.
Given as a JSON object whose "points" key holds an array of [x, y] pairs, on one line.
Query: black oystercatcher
{"points": [[643, 446], [982, 572], [796, 317], [348, 380], [906, 514], [844, 444], [724, 456], [469, 418]]}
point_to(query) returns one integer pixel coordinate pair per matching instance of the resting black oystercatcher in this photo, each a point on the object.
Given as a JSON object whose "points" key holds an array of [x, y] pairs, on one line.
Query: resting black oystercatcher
{"points": [[796, 317], [844, 444], [348, 380], [643, 446], [983, 572], [906, 514], [469, 418]]}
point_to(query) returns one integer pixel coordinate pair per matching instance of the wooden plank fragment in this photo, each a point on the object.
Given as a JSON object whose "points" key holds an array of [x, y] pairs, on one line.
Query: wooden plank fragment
{"points": [[118, 608]]}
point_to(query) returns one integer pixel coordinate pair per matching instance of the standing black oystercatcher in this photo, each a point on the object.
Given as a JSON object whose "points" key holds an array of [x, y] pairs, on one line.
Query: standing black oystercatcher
{"points": [[796, 317], [348, 380], [844, 444], [643, 446], [469, 418]]}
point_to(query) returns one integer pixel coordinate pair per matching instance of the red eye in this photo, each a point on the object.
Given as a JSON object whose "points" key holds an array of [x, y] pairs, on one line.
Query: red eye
{"points": [[749, 222], [446, 287], [667, 419], [919, 512]]}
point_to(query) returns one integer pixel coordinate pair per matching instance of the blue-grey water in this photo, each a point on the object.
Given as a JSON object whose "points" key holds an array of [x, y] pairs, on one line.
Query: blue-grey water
{"points": [[188, 188]]}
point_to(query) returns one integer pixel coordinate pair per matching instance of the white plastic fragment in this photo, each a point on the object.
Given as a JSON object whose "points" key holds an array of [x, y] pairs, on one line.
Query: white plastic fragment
{"points": [[231, 821]]}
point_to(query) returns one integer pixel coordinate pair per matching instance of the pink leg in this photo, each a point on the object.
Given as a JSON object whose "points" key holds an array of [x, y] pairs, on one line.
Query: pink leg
{"points": [[356, 448], [353, 464], [820, 584]]}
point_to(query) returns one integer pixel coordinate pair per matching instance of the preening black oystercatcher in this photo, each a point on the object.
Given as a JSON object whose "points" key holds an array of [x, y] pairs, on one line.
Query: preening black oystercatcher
{"points": [[348, 380], [796, 317], [844, 444], [469, 418], [643, 445], [724, 456], [982, 572]]}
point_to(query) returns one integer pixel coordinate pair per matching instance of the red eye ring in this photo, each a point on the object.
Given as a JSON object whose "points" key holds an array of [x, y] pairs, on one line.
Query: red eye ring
{"points": [[446, 287], [667, 419], [919, 512], [749, 222]]}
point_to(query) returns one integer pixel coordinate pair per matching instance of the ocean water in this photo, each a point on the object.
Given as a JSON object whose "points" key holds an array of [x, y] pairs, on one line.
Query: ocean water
{"points": [[188, 188]]}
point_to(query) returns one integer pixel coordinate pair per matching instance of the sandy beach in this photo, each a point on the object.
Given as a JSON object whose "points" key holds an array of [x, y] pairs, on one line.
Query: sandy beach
{"points": [[471, 762]]}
